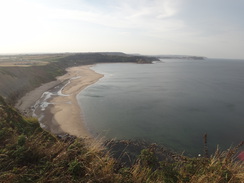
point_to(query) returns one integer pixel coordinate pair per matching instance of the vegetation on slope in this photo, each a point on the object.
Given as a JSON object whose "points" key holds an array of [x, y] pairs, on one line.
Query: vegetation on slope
{"points": [[29, 154]]}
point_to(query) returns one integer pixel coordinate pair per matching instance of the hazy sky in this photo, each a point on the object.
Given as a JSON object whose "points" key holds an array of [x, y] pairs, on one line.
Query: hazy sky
{"points": [[211, 28]]}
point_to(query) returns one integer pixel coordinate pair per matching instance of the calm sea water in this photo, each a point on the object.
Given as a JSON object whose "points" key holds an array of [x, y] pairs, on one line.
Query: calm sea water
{"points": [[173, 103]]}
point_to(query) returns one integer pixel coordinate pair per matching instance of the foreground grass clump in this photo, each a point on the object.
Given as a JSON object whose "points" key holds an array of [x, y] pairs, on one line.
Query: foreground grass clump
{"points": [[29, 154], [221, 167]]}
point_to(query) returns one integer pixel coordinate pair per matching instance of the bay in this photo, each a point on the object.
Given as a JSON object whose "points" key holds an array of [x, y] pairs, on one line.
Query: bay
{"points": [[172, 103]]}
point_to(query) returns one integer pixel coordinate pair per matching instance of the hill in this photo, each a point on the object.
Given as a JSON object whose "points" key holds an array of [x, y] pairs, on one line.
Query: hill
{"points": [[20, 74]]}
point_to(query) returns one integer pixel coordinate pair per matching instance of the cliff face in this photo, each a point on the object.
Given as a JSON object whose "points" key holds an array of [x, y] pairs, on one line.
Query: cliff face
{"points": [[16, 81]]}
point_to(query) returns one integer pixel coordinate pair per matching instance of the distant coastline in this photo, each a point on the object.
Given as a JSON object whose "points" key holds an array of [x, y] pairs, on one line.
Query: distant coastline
{"points": [[20, 74], [36, 73]]}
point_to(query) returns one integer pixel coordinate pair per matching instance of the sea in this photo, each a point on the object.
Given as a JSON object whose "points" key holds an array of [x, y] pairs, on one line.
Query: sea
{"points": [[171, 102]]}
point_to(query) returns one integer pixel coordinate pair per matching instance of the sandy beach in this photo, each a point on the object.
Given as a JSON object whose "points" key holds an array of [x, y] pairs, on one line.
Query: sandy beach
{"points": [[63, 114]]}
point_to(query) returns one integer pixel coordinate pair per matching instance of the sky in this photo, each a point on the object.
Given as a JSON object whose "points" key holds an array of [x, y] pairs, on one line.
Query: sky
{"points": [[210, 28]]}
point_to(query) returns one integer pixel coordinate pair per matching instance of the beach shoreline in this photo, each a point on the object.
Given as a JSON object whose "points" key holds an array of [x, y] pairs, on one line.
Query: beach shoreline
{"points": [[63, 114]]}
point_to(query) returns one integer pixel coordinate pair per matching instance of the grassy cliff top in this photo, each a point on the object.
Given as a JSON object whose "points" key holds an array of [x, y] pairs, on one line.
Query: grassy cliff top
{"points": [[29, 154]]}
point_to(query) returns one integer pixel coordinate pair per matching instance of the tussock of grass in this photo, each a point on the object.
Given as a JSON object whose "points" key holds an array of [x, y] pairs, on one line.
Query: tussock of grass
{"points": [[29, 154]]}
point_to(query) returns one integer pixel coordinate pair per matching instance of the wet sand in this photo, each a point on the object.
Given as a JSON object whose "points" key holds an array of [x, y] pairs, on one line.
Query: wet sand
{"points": [[63, 114]]}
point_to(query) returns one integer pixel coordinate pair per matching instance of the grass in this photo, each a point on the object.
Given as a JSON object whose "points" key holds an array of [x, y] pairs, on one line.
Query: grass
{"points": [[23, 64], [29, 154]]}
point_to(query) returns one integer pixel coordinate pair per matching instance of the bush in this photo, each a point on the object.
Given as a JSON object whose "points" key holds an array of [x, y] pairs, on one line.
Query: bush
{"points": [[76, 168]]}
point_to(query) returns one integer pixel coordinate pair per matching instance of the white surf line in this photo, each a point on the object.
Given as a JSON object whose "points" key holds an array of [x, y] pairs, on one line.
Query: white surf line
{"points": [[60, 91], [43, 104]]}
